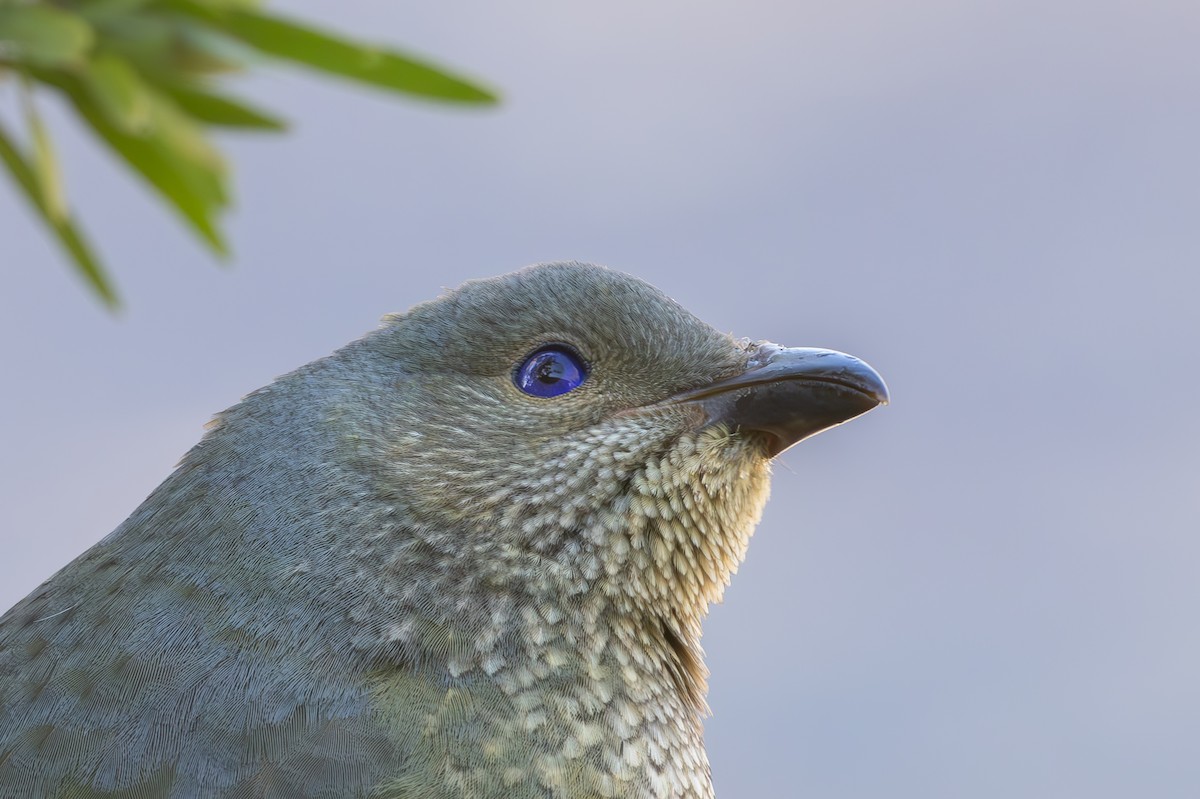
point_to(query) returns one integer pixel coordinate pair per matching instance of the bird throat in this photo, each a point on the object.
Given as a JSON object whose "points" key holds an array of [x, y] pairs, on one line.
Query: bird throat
{"points": [[582, 605]]}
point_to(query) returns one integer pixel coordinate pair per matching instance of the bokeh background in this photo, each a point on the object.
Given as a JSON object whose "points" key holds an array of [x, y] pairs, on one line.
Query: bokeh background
{"points": [[989, 588]]}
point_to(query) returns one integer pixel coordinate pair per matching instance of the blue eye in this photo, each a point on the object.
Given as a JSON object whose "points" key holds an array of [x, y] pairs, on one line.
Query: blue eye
{"points": [[550, 371]]}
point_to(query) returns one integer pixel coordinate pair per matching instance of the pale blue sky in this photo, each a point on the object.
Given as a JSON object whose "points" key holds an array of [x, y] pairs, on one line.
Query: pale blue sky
{"points": [[988, 589]]}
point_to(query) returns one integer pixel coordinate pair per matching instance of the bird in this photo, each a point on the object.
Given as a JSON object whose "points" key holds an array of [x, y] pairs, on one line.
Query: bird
{"points": [[466, 556]]}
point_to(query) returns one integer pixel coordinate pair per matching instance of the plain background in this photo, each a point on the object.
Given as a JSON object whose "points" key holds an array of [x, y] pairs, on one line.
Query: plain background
{"points": [[989, 588]]}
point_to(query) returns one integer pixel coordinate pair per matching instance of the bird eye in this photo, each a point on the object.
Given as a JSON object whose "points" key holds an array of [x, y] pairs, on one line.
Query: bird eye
{"points": [[550, 371]]}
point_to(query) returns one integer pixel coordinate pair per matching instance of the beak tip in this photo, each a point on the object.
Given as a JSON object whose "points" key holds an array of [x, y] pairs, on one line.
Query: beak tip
{"points": [[879, 391]]}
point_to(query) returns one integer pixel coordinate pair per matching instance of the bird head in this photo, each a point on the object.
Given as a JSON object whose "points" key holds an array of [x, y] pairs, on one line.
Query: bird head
{"points": [[572, 431]]}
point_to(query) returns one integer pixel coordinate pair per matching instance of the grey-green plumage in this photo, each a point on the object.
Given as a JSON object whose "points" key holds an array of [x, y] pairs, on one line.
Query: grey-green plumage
{"points": [[392, 574]]}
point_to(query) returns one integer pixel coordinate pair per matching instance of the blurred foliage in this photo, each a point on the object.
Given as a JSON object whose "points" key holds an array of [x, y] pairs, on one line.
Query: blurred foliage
{"points": [[145, 76]]}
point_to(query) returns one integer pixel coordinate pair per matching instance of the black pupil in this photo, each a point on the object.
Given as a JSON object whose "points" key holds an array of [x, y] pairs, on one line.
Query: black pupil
{"points": [[549, 370]]}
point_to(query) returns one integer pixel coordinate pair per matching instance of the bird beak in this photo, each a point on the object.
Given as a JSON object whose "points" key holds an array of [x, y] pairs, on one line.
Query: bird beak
{"points": [[789, 394]]}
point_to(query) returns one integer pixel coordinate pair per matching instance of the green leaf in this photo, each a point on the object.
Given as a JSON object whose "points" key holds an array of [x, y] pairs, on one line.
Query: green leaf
{"points": [[45, 165], [41, 35], [172, 46], [72, 240], [142, 111], [144, 39], [215, 109], [176, 160], [119, 92], [98, 10], [204, 51], [318, 49]]}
